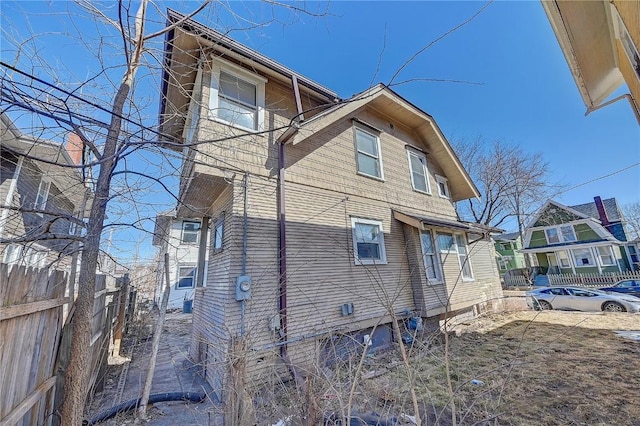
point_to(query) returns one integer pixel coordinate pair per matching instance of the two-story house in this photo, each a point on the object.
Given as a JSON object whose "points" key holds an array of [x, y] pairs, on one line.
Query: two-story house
{"points": [[600, 40], [335, 214], [585, 238], [41, 192], [180, 238], [508, 254]]}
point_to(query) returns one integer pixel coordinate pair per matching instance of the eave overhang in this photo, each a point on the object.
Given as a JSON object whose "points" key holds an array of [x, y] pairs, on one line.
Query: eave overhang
{"points": [[425, 222], [585, 33], [394, 106]]}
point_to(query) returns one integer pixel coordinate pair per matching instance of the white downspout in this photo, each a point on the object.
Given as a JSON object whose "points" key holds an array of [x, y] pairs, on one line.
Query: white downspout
{"points": [[12, 189]]}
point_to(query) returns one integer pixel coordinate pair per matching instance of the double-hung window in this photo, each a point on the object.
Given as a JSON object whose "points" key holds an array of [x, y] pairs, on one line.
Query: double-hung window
{"points": [[463, 257], [368, 158], [443, 186], [190, 232], [552, 235], [419, 171], [186, 276], [237, 96], [563, 259], [605, 254], [560, 234], [568, 234], [368, 242], [43, 195], [583, 257], [431, 258]]}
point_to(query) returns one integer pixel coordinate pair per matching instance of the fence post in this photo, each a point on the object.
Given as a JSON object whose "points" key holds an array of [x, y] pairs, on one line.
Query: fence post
{"points": [[122, 306]]}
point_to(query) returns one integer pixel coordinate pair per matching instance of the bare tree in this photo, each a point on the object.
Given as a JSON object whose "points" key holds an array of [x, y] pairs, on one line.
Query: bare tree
{"points": [[631, 214]]}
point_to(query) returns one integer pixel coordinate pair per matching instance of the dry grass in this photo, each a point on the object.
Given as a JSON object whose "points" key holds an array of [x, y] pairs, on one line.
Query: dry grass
{"points": [[535, 372]]}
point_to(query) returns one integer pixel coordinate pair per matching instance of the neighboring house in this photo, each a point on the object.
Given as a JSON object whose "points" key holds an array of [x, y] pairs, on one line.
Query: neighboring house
{"points": [[586, 238], [508, 255], [333, 213], [180, 238], [600, 40], [38, 199]]}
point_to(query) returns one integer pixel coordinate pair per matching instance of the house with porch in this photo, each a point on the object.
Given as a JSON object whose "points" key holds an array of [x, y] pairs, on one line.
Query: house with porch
{"points": [[508, 254], [585, 238], [335, 214], [43, 199]]}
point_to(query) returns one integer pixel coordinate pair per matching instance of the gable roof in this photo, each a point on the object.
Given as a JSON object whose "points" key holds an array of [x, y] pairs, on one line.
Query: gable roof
{"points": [[382, 98], [611, 206], [549, 203]]}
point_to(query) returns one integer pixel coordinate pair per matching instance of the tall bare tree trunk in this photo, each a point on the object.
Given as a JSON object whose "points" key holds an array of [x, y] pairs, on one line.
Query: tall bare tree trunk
{"points": [[77, 376]]}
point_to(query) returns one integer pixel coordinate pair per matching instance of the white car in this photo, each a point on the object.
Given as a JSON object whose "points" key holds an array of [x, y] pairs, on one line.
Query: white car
{"points": [[581, 299]]}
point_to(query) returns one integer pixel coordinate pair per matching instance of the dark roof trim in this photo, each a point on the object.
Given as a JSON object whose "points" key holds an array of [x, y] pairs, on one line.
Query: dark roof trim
{"points": [[232, 45], [422, 221]]}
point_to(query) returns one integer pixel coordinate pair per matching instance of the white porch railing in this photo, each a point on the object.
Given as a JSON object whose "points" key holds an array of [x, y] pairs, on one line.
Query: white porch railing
{"points": [[591, 280], [515, 281]]}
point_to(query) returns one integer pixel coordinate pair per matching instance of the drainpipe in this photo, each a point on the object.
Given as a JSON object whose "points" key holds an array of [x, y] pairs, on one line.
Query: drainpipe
{"points": [[245, 236], [282, 239], [634, 107]]}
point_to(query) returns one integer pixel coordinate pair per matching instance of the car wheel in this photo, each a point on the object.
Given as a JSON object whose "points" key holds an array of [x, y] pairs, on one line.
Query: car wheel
{"points": [[613, 307], [543, 305]]}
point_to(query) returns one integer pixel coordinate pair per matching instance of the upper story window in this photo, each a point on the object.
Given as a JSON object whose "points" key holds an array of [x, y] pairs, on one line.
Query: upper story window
{"points": [[561, 234], [368, 156], [237, 96], [419, 171], [368, 242], [190, 232], [443, 186], [43, 195]]}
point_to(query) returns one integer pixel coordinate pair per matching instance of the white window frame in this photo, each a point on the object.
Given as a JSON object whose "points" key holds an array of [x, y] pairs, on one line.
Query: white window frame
{"points": [[580, 264], [462, 250], [611, 254], [193, 268], [183, 231], [218, 235], [383, 254], [560, 234], [42, 196], [219, 66], [561, 258], [435, 257], [503, 262], [452, 248], [378, 157], [626, 41], [425, 170], [441, 180]]}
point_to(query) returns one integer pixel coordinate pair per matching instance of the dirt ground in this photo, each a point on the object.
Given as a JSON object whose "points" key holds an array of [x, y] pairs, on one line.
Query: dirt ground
{"points": [[518, 368]]}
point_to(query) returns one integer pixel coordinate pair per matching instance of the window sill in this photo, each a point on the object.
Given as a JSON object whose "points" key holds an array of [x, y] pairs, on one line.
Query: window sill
{"points": [[434, 283], [468, 280], [379, 179], [370, 262], [421, 191], [249, 130]]}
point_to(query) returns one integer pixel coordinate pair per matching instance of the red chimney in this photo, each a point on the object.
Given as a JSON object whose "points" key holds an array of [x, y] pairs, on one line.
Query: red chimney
{"points": [[602, 212], [74, 147]]}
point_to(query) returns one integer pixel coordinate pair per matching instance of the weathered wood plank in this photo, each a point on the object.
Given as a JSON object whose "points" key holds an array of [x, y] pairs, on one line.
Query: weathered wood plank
{"points": [[16, 414], [14, 311]]}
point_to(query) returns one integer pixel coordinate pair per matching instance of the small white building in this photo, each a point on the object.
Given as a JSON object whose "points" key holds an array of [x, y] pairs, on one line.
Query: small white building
{"points": [[181, 239]]}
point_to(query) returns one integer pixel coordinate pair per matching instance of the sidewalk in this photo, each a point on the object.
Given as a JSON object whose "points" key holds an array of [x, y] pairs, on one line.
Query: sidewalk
{"points": [[174, 372]]}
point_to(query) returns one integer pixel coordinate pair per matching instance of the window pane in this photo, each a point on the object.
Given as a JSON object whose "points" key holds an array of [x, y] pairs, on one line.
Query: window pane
{"points": [[466, 267], [217, 239], [552, 235], [583, 257], [368, 251], [462, 244], [237, 114], [235, 88], [186, 277], [606, 258], [567, 233], [427, 242], [445, 242], [368, 165], [367, 143], [564, 259]]}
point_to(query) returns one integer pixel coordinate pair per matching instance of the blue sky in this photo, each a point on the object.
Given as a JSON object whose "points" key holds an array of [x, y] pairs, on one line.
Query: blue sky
{"points": [[523, 91]]}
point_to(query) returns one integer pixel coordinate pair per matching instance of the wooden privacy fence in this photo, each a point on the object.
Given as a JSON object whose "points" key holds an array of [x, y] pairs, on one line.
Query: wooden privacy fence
{"points": [[591, 280], [34, 346], [30, 327]]}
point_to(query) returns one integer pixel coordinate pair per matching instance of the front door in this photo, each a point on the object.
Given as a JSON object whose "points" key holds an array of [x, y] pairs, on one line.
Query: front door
{"points": [[553, 264]]}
